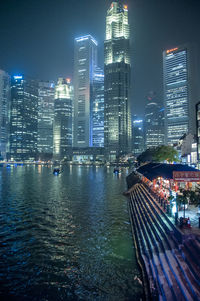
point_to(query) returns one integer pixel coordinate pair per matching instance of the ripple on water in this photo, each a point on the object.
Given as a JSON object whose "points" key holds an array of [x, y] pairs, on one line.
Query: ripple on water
{"points": [[66, 237]]}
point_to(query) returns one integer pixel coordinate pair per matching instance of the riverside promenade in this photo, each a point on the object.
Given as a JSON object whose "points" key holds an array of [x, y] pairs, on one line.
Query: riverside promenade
{"points": [[170, 260]]}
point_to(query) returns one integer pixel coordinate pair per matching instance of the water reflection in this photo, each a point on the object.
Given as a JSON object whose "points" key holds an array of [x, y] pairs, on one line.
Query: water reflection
{"points": [[66, 237]]}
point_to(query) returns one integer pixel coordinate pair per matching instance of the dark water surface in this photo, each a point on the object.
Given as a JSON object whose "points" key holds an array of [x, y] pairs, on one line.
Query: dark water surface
{"points": [[65, 237]]}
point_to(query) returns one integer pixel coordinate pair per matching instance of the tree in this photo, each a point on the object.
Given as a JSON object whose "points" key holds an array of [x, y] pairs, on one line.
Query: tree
{"points": [[146, 156], [165, 153]]}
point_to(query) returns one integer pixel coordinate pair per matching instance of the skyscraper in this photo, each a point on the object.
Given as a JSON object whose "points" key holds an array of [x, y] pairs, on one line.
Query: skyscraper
{"points": [[198, 132], [154, 122], [117, 66], [23, 118], [62, 125], [45, 118], [97, 120], [4, 112], [138, 136], [85, 62], [179, 93]]}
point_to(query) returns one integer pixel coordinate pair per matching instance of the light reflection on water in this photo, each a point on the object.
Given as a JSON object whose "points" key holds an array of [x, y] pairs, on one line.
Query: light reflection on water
{"points": [[65, 237]]}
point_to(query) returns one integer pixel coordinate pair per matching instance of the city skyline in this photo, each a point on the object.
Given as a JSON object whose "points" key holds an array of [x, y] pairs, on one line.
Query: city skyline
{"points": [[39, 42]]}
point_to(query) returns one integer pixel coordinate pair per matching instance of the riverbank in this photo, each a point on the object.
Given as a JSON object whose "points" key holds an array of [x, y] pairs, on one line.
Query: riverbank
{"points": [[169, 258]]}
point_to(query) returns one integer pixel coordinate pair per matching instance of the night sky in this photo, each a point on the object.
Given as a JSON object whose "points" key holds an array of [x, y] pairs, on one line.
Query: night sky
{"points": [[37, 37]]}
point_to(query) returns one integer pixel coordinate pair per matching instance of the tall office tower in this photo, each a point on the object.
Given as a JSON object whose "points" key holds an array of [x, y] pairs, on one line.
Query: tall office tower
{"points": [[23, 118], [97, 120], [85, 62], [62, 125], [198, 132], [117, 67], [46, 94], [4, 112], [137, 135], [154, 122], [179, 93]]}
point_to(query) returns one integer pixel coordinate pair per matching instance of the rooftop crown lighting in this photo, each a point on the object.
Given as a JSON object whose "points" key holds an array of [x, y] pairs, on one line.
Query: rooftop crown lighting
{"points": [[87, 37]]}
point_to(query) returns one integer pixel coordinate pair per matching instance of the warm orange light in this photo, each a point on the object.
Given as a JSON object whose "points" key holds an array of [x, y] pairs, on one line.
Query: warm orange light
{"points": [[171, 50], [125, 6], [68, 80]]}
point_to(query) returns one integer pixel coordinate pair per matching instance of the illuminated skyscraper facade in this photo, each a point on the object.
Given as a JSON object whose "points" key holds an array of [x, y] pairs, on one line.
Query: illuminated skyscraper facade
{"points": [[23, 118], [154, 123], [97, 120], [62, 125], [4, 112], [137, 136], [85, 62], [198, 132], [178, 93], [117, 66], [45, 118]]}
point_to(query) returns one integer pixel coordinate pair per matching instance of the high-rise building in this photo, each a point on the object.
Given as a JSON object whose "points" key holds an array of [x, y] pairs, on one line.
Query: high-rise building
{"points": [[4, 112], [45, 118], [137, 135], [179, 93], [97, 120], [23, 118], [154, 122], [198, 132], [85, 63], [62, 125], [117, 66]]}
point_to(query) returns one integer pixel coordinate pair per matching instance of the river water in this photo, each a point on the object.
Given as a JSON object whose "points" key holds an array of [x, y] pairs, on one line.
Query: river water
{"points": [[66, 237]]}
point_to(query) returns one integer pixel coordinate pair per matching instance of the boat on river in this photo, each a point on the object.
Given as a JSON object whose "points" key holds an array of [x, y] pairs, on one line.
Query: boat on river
{"points": [[56, 171], [117, 170]]}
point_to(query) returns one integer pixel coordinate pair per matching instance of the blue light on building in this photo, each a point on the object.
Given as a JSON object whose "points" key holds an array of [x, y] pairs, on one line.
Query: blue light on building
{"points": [[97, 109]]}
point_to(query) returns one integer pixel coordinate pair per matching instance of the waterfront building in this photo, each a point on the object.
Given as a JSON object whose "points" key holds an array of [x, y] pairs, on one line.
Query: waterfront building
{"points": [[45, 118], [85, 63], [62, 125], [179, 93], [97, 126], [187, 149], [154, 122], [4, 113], [117, 66], [23, 118], [137, 136], [88, 155]]}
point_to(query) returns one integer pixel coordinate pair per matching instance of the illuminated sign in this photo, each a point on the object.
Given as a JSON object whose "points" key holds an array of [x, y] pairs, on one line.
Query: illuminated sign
{"points": [[18, 77], [186, 176], [171, 50]]}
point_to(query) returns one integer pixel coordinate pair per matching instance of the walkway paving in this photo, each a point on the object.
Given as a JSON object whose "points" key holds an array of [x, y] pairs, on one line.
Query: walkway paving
{"points": [[172, 265]]}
